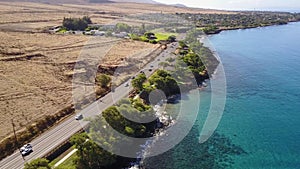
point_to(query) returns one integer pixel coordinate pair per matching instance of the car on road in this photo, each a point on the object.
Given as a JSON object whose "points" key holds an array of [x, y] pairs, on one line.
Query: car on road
{"points": [[78, 117], [26, 149], [126, 85], [150, 70], [151, 66]]}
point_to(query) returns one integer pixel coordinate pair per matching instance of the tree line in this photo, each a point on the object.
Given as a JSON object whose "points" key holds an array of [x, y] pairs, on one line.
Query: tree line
{"points": [[77, 23]]}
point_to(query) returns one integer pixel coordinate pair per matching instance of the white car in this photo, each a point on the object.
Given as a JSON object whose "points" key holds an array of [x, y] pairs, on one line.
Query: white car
{"points": [[126, 84], [26, 149], [78, 117]]}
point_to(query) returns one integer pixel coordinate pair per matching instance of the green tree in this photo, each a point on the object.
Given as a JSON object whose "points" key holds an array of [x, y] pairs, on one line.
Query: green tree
{"points": [[90, 155], [78, 140], [114, 116], [149, 35], [138, 82], [103, 80], [193, 61], [171, 38], [76, 23], [165, 82], [87, 19], [39, 163], [210, 29]]}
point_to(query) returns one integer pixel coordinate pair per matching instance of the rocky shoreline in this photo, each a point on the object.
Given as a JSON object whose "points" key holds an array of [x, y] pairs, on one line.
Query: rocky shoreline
{"points": [[164, 120]]}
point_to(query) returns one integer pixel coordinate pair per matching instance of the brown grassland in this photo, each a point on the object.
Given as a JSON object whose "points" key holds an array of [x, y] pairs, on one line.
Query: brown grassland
{"points": [[35, 66]]}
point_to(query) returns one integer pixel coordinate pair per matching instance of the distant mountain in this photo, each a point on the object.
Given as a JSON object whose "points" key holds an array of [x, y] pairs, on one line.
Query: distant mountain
{"points": [[89, 1], [81, 1], [138, 1], [179, 5], [59, 1], [149, 2], [98, 1]]}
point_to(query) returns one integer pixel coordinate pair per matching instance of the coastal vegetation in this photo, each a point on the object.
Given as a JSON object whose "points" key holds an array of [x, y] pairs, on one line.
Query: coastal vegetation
{"points": [[193, 61], [214, 23], [164, 81], [198, 58], [207, 60], [138, 82], [90, 155]]}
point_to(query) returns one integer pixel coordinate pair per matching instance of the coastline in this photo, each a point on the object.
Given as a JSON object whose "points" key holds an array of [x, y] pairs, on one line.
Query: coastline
{"points": [[240, 135], [165, 120], [147, 146], [243, 28]]}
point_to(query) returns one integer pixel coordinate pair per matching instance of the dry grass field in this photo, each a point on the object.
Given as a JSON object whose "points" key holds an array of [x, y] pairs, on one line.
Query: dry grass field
{"points": [[33, 64], [40, 85]]}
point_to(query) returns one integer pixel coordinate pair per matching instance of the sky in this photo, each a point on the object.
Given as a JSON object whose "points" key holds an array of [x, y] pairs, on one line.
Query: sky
{"points": [[239, 4]]}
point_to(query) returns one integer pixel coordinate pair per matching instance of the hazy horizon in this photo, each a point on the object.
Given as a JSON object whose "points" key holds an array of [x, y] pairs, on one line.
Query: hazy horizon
{"points": [[288, 5]]}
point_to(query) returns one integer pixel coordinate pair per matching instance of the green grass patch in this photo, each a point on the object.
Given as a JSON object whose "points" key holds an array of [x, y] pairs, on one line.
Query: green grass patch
{"points": [[144, 38], [69, 163], [134, 37], [62, 30], [164, 36], [160, 37], [53, 162]]}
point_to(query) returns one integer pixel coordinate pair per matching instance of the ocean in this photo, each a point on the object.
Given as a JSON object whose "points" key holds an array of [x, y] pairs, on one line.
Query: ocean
{"points": [[260, 127]]}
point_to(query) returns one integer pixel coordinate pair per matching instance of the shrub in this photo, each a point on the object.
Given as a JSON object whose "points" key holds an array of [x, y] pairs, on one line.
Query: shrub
{"points": [[103, 80], [153, 41], [39, 163]]}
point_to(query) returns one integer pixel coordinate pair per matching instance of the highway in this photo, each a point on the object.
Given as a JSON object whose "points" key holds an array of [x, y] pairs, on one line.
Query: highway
{"points": [[55, 136]]}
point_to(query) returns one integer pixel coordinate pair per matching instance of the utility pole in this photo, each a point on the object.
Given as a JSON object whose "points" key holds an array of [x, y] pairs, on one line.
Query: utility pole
{"points": [[16, 140]]}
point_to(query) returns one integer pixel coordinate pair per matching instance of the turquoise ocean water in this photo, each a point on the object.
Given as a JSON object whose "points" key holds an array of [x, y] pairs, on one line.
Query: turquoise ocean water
{"points": [[260, 127]]}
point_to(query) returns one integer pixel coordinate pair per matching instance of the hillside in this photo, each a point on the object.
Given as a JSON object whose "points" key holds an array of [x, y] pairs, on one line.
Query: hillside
{"points": [[138, 1], [59, 1], [81, 1]]}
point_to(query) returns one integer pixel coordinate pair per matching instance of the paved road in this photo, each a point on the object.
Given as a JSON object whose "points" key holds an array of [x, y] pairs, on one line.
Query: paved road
{"points": [[62, 132]]}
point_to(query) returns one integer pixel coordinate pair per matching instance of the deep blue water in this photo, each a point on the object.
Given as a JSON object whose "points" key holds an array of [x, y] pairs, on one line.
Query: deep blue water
{"points": [[260, 127]]}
